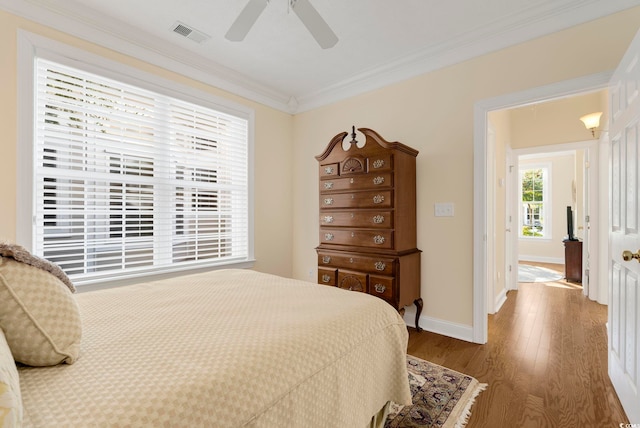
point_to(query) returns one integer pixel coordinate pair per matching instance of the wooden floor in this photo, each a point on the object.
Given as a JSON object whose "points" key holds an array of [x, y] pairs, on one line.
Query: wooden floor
{"points": [[545, 361]]}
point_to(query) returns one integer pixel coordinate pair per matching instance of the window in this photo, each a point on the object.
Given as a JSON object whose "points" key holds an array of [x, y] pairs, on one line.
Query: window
{"points": [[128, 180], [534, 212]]}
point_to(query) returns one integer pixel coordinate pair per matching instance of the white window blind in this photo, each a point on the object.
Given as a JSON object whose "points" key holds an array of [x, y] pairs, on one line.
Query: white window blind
{"points": [[129, 181]]}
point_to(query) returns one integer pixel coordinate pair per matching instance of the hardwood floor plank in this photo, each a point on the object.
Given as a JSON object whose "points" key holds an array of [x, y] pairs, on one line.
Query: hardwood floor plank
{"points": [[545, 362]]}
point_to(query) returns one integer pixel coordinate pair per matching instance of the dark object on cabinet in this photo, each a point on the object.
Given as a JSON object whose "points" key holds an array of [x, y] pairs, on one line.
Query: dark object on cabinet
{"points": [[368, 219], [570, 236], [573, 260]]}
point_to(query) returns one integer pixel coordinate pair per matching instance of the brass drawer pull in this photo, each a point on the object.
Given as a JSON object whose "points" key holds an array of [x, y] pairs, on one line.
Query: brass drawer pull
{"points": [[328, 170], [380, 266], [326, 278], [379, 163], [378, 199], [328, 236], [378, 219], [328, 185], [328, 219], [328, 201], [378, 239], [378, 180], [380, 288], [326, 259]]}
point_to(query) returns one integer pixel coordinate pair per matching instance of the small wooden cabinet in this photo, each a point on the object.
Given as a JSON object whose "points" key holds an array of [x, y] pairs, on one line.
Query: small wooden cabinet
{"points": [[573, 260], [367, 234]]}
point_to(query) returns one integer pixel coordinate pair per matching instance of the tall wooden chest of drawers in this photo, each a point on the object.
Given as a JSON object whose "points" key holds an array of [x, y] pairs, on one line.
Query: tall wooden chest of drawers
{"points": [[368, 219]]}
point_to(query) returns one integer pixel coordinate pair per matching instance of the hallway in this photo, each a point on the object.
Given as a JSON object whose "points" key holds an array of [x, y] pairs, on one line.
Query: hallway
{"points": [[545, 361]]}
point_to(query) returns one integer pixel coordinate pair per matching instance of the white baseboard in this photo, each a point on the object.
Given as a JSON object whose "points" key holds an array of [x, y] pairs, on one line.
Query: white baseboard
{"points": [[540, 259], [435, 325], [500, 299]]}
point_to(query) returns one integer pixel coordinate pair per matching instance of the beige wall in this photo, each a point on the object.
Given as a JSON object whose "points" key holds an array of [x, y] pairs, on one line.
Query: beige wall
{"points": [[434, 114], [555, 122], [273, 148]]}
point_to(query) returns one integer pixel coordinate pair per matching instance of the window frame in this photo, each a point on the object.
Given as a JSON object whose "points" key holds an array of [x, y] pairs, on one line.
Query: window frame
{"points": [[546, 200], [31, 46]]}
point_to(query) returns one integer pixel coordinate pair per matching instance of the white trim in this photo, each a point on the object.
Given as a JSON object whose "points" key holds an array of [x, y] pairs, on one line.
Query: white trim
{"points": [[557, 90], [80, 21], [148, 277], [511, 238], [500, 299], [467, 46], [491, 217], [438, 326], [125, 39], [599, 214]]}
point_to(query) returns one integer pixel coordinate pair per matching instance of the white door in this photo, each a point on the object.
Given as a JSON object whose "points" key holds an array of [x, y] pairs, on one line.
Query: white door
{"points": [[624, 233]]}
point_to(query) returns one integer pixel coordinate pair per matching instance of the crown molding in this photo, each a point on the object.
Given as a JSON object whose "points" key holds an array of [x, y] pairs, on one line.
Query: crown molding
{"points": [[122, 38], [536, 21]]}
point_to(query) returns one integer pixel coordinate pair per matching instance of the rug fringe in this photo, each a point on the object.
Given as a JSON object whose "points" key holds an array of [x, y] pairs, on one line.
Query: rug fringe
{"points": [[465, 413]]}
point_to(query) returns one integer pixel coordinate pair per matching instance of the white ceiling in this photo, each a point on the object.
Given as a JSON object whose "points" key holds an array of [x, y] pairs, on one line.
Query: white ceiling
{"points": [[281, 65]]}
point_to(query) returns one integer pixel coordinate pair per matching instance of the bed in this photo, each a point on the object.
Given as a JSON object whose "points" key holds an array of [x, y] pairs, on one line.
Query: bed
{"points": [[227, 348]]}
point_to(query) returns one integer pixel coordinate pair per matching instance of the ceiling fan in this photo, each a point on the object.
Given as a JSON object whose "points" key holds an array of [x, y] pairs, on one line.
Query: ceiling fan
{"points": [[309, 16]]}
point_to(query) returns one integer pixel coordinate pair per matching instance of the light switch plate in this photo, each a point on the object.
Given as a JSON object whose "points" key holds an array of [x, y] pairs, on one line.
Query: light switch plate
{"points": [[443, 209]]}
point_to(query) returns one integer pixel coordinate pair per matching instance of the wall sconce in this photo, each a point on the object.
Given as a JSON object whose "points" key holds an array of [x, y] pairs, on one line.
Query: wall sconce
{"points": [[591, 121]]}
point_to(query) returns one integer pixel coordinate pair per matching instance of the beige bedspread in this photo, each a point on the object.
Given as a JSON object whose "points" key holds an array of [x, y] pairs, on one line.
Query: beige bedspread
{"points": [[225, 349]]}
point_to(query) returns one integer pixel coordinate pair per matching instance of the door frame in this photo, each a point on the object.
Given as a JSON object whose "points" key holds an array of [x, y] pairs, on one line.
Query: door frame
{"points": [[481, 216], [589, 205], [491, 226]]}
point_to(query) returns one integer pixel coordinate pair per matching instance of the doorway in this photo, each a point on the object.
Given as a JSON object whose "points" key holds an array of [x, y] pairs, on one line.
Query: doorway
{"points": [[564, 178], [481, 190]]}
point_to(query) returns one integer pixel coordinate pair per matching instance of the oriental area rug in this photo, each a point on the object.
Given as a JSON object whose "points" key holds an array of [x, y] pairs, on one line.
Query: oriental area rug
{"points": [[441, 397]]}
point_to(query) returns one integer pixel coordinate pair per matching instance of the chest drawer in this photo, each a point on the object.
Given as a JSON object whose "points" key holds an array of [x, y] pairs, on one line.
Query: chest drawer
{"points": [[357, 182], [329, 170], [368, 199], [380, 163], [382, 286], [326, 276], [364, 219], [352, 281], [360, 238], [380, 265]]}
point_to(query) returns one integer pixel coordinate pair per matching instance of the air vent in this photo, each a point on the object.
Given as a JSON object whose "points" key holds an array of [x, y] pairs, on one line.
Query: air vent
{"points": [[189, 32]]}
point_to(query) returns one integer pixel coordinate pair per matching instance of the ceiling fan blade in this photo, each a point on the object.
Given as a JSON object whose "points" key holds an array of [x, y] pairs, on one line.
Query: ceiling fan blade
{"points": [[317, 26], [243, 23]]}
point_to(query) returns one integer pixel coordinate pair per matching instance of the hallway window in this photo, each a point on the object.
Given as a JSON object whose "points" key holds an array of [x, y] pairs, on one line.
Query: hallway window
{"points": [[534, 201]]}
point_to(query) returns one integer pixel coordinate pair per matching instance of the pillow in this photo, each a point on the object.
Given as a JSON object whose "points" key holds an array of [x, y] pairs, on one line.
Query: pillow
{"points": [[10, 399], [39, 315], [21, 254]]}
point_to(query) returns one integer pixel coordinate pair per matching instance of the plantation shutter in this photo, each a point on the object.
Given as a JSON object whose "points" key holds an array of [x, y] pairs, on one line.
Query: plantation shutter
{"points": [[129, 181]]}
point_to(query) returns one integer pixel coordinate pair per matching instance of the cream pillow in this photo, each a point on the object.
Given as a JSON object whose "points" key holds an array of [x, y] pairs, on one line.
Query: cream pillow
{"points": [[10, 399], [39, 315]]}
